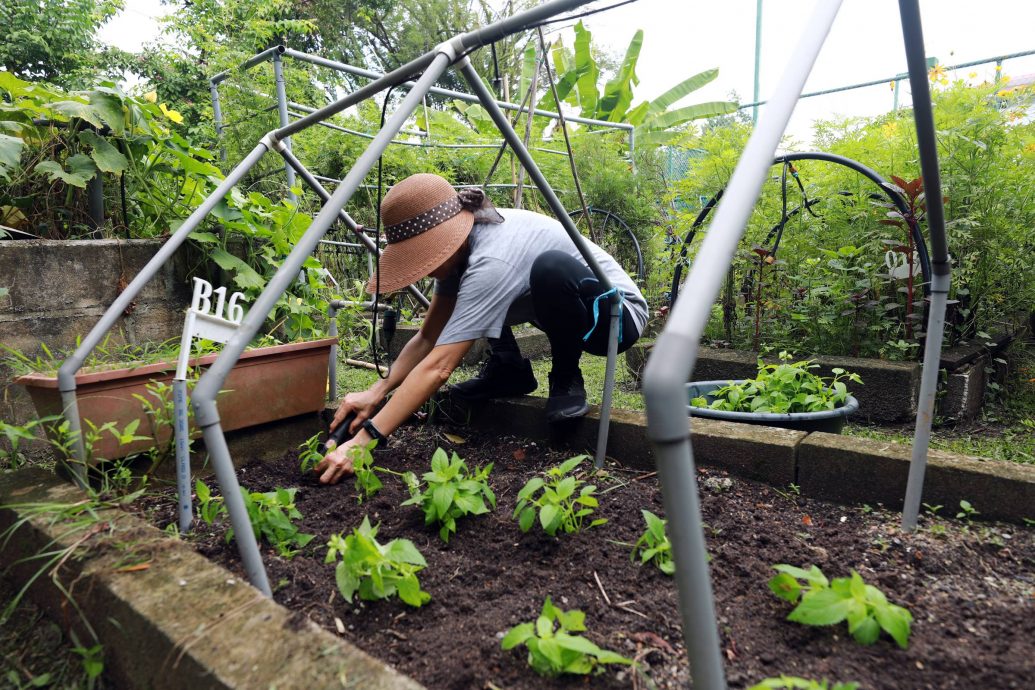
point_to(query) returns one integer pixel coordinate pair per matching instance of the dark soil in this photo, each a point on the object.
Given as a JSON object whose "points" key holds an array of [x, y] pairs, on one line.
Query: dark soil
{"points": [[969, 588]]}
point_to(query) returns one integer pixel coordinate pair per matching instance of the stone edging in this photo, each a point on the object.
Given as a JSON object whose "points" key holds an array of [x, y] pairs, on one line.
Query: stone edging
{"points": [[181, 622], [832, 467]]}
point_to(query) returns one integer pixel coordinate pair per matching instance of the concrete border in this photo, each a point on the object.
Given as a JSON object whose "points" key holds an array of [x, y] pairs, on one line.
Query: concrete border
{"points": [[843, 469], [181, 613]]}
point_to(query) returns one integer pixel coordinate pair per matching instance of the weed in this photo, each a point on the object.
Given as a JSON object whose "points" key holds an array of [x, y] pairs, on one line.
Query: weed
{"points": [[553, 649], [795, 683], [653, 546], [452, 492], [376, 571], [12, 457], [309, 454], [822, 602], [557, 503]]}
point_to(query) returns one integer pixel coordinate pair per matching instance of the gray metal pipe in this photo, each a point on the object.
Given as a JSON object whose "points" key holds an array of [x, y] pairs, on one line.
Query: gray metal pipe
{"points": [[352, 225], [285, 120], [913, 37], [449, 93], [217, 118], [332, 365], [537, 177], [249, 63], [675, 354], [460, 45]]}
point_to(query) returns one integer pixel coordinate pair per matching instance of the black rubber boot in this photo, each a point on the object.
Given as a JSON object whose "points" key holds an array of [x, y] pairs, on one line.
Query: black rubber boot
{"points": [[567, 397], [501, 377]]}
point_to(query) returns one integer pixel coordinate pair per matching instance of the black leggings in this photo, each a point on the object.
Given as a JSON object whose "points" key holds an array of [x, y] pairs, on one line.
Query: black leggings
{"points": [[563, 293]]}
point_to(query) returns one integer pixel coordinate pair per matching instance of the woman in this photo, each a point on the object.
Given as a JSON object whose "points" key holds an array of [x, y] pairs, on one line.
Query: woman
{"points": [[493, 269]]}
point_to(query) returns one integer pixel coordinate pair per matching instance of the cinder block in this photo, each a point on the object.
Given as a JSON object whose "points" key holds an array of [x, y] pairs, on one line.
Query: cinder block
{"points": [[848, 469]]}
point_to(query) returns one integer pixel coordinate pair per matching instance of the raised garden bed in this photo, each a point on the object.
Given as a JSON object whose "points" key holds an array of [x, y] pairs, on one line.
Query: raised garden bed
{"points": [[969, 587]]}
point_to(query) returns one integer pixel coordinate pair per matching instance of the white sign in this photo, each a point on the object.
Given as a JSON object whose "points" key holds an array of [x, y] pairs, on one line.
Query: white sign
{"points": [[898, 264], [201, 324]]}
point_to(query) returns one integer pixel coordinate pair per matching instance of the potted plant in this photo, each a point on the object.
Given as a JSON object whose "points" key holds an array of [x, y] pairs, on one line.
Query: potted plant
{"points": [[787, 395], [267, 384]]}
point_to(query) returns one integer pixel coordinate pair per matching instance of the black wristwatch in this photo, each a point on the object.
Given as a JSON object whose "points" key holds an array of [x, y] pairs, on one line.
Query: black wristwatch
{"points": [[374, 432]]}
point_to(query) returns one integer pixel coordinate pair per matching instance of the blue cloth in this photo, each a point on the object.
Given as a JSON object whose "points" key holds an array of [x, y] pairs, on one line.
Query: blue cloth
{"points": [[596, 311]]}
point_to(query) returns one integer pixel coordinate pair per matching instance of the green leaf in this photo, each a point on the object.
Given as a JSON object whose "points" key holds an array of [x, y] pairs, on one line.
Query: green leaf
{"points": [[547, 515], [106, 156], [821, 607], [587, 71], [110, 108], [54, 171], [517, 635], [528, 66], [526, 519], [618, 92], [76, 109], [244, 275], [10, 154], [680, 91], [785, 587], [895, 621]]}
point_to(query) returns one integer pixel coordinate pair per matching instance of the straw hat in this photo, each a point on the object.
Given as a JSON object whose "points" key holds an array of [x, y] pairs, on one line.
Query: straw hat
{"points": [[425, 222]]}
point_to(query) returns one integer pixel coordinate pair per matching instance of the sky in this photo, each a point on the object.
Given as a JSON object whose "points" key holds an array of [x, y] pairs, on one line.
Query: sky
{"points": [[682, 38]]}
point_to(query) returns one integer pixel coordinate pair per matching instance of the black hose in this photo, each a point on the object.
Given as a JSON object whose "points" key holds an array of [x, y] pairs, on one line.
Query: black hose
{"points": [[889, 191]]}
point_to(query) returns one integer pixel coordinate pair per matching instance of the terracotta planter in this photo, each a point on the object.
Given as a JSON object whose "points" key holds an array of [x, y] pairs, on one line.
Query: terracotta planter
{"points": [[267, 384]]}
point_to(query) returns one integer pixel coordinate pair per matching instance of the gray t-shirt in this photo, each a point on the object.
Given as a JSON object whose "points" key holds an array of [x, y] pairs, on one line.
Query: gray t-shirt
{"points": [[493, 290]]}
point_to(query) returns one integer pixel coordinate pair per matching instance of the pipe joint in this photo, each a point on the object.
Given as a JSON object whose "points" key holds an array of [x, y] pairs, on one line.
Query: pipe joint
{"points": [[206, 413], [940, 282], [272, 142], [66, 374], [449, 49]]}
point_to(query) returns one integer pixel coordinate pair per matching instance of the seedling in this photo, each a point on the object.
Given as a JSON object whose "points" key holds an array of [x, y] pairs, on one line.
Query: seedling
{"points": [[967, 512], [553, 649], [452, 492], [209, 507], [374, 570], [822, 602], [782, 388], [653, 545], [308, 453], [272, 515], [795, 683], [367, 481], [554, 498]]}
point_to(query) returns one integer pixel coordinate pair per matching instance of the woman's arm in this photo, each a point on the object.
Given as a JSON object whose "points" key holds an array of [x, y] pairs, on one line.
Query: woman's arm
{"points": [[428, 376], [363, 403]]}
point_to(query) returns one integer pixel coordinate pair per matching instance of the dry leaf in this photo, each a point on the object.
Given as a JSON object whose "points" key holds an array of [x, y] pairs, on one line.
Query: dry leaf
{"points": [[339, 625], [133, 568], [519, 454], [806, 520], [457, 440]]}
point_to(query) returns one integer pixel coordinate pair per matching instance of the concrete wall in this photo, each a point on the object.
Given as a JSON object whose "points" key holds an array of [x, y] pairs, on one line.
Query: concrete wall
{"points": [[59, 289]]}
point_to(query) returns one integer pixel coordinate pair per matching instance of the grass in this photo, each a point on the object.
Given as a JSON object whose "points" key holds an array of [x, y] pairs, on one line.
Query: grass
{"points": [[626, 395]]}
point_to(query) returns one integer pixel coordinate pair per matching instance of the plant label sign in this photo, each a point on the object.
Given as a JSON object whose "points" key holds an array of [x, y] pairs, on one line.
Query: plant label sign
{"points": [[898, 265], [201, 322]]}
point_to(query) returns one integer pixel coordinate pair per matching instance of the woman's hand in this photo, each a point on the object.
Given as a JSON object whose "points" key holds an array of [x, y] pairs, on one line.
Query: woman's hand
{"points": [[337, 464], [362, 403]]}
